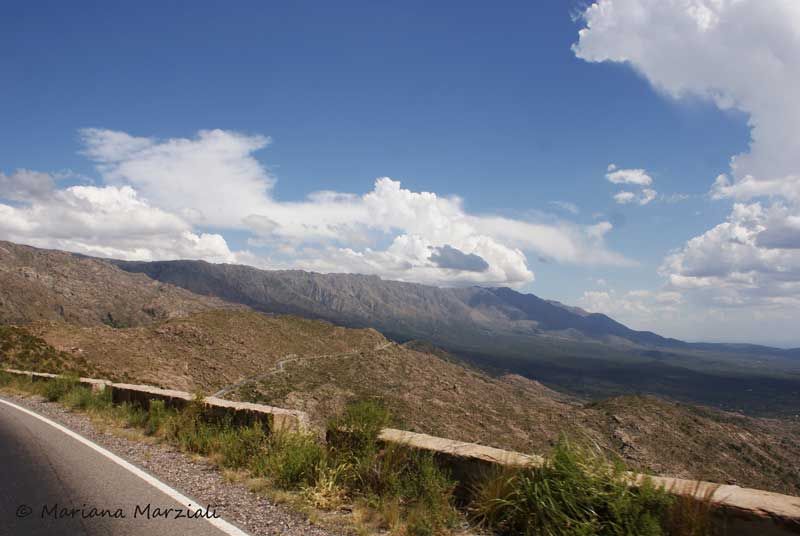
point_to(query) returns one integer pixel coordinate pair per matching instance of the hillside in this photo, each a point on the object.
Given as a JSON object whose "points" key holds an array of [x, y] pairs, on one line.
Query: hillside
{"points": [[37, 284], [203, 351], [502, 330], [318, 367]]}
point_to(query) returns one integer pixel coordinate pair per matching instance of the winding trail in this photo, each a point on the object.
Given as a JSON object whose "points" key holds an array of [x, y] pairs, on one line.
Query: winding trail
{"points": [[288, 358]]}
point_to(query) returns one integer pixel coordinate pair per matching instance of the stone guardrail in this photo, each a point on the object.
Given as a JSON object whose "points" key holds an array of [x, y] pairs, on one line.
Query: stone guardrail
{"points": [[244, 413], [738, 511]]}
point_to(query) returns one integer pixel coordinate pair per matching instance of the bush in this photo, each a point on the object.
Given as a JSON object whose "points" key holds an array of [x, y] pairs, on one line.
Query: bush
{"points": [[356, 431], [574, 493], [409, 481], [156, 414], [290, 460], [195, 435], [238, 445], [134, 415], [78, 397], [56, 388]]}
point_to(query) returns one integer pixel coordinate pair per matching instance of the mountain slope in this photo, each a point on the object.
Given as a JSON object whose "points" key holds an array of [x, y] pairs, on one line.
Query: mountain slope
{"points": [[37, 284], [318, 367], [408, 309], [503, 330]]}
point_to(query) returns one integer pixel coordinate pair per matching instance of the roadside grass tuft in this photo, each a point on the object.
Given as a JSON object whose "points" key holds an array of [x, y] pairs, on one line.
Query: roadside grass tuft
{"points": [[78, 397], [576, 492], [362, 421], [291, 460], [399, 482], [157, 413], [54, 390], [191, 431], [238, 446]]}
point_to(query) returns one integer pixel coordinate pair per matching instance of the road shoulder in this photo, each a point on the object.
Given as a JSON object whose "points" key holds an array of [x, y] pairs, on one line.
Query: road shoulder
{"points": [[195, 477]]}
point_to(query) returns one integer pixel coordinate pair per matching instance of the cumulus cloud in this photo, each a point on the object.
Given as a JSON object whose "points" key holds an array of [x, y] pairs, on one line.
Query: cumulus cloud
{"points": [[742, 54], [631, 177], [645, 196], [107, 221], [628, 176], [641, 198], [751, 259], [624, 198], [156, 194], [739, 54], [212, 179]]}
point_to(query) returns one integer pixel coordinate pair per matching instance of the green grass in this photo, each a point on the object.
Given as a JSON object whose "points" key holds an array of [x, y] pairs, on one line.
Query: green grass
{"points": [[291, 460], [578, 492], [55, 390], [409, 480]]}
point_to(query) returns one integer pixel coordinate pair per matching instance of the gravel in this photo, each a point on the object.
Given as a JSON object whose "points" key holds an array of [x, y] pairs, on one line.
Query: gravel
{"points": [[195, 478]]}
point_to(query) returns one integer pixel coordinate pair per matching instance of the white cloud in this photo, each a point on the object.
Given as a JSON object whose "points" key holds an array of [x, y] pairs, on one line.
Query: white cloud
{"points": [[744, 55], [157, 193], [628, 176], [633, 177], [749, 187], [624, 198], [646, 196], [107, 221], [751, 259], [212, 179], [632, 306]]}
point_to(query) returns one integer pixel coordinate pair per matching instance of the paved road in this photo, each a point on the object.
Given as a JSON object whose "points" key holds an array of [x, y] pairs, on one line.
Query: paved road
{"points": [[44, 470]]}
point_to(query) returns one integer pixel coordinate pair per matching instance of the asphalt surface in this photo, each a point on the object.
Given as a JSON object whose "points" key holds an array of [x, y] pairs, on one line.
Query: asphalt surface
{"points": [[50, 482]]}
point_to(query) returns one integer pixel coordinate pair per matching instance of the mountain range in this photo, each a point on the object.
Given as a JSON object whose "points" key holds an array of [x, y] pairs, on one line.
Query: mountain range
{"points": [[502, 330]]}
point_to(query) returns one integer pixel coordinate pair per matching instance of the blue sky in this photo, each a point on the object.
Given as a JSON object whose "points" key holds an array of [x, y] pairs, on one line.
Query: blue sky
{"points": [[490, 105]]}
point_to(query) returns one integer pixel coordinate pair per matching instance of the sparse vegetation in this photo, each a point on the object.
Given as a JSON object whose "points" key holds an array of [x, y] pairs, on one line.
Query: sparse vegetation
{"points": [[428, 394], [291, 461], [400, 482], [58, 388], [577, 492], [20, 349]]}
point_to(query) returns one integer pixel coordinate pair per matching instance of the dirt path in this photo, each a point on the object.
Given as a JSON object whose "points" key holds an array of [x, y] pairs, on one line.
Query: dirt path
{"points": [[279, 367]]}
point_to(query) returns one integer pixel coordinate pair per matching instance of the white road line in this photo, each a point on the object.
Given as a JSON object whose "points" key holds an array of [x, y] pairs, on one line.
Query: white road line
{"points": [[219, 523]]}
